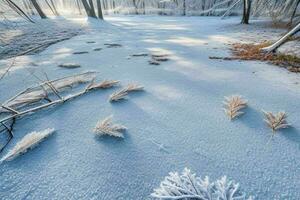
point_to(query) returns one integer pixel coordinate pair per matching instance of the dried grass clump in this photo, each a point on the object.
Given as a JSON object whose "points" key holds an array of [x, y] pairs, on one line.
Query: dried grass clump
{"points": [[276, 121], [233, 105], [121, 94], [30, 141], [69, 65], [106, 127], [156, 59], [254, 52]]}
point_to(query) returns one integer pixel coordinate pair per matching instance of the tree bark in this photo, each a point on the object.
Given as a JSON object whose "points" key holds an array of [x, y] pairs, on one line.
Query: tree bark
{"points": [[246, 11], [100, 14], [38, 9], [89, 8], [184, 8], [93, 13], [135, 7]]}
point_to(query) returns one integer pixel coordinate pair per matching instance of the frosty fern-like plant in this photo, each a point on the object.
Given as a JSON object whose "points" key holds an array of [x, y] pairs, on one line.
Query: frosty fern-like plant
{"points": [[104, 84], [276, 121], [106, 127], [30, 141], [188, 186], [233, 105], [121, 94]]}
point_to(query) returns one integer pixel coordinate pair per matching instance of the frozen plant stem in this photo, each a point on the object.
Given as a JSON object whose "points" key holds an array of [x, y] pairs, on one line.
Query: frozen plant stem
{"points": [[232, 106]]}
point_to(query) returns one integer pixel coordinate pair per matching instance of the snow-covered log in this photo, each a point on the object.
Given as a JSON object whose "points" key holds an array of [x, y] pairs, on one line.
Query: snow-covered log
{"points": [[188, 186], [30, 141], [282, 40]]}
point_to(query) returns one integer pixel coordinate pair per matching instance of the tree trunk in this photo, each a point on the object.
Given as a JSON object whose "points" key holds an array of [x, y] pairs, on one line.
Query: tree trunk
{"points": [[38, 9], [184, 8], [54, 8], [89, 8], [294, 13], [135, 7], [93, 13], [230, 8], [100, 14], [246, 11], [282, 40]]}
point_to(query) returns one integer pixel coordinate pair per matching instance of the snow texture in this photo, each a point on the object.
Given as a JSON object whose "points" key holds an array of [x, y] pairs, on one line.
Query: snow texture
{"points": [[188, 186], [177, 122], [30, 141]]}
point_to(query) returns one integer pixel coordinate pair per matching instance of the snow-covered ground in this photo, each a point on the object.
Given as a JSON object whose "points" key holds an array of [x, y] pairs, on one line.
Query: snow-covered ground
{"points": [[177, 122], [21, 36]]}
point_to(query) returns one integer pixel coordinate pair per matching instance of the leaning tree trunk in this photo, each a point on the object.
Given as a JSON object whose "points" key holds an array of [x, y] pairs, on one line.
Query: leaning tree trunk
{"points": [[294, 12], [282, 40], [100, 14], [246, 11], [38, 9]]}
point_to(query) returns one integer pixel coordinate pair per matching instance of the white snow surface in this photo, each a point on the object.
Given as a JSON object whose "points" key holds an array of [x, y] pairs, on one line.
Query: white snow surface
{"points": [[177, 122]]}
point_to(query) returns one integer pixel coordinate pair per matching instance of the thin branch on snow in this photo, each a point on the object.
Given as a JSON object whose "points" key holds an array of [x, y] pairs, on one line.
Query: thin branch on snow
{"points": [[106, 127], [233, 105], [276, 121], [38, 93], [30, 141]]}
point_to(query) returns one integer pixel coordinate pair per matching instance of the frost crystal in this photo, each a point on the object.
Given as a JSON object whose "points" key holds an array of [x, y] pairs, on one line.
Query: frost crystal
{"points": [[188, 186]]}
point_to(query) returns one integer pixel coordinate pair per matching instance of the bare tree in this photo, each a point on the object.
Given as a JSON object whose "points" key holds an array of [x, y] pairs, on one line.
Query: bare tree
{"points": [[38, 9], [100, 14], [246, 11], [18, 10], [89, 9]]}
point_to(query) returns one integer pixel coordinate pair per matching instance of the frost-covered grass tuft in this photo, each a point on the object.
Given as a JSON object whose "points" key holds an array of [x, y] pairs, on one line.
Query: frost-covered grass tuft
{"points": [[188, 186], [121, 94], [105, 84], [134, 87], [276, 121], [30, 141], [117, 96], [233, 105], [106, 127]]}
